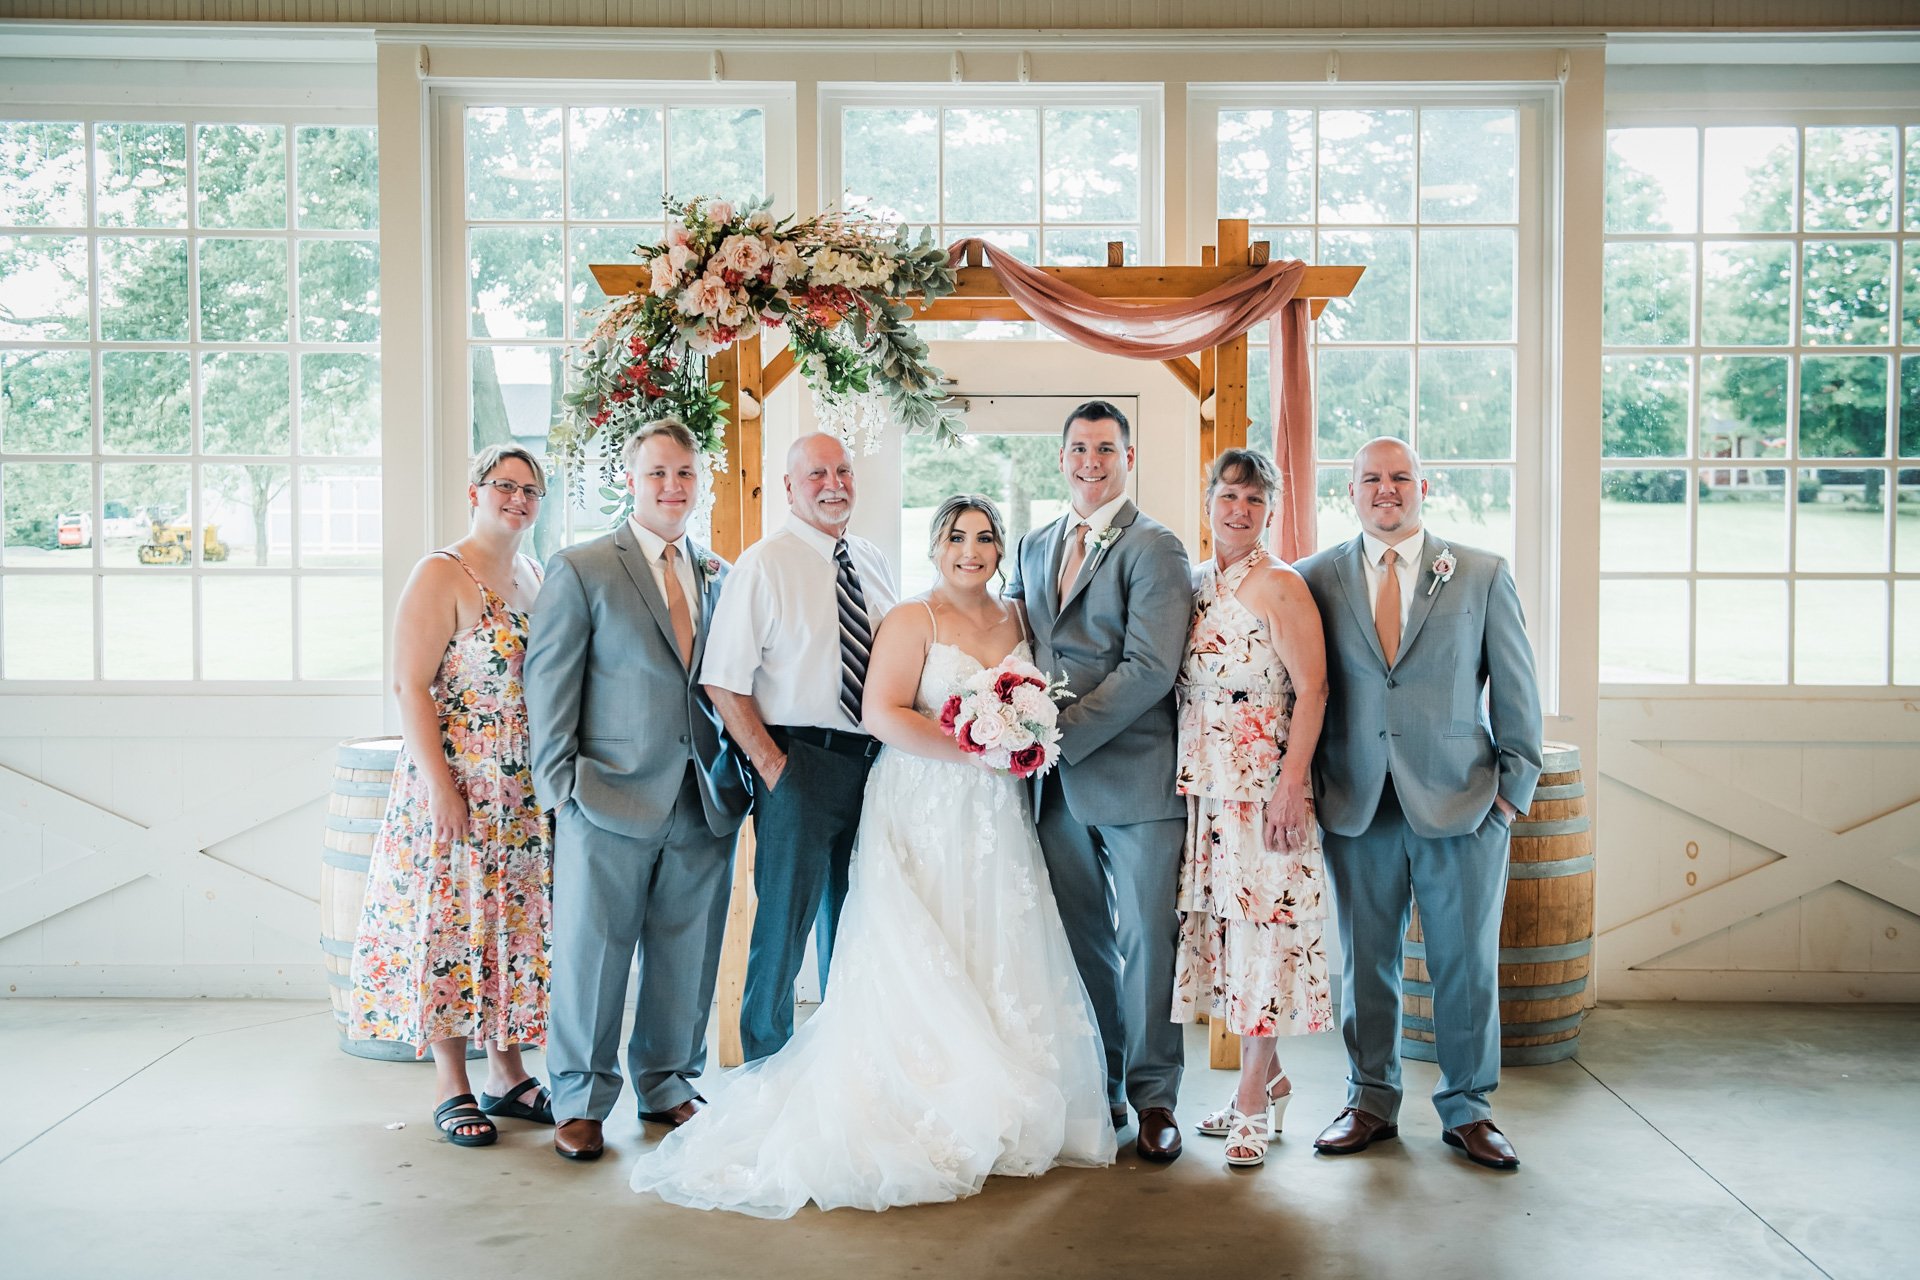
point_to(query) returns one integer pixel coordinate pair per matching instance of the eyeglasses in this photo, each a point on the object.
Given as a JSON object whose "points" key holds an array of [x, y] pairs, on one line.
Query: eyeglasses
{"points": [[508, 489]]}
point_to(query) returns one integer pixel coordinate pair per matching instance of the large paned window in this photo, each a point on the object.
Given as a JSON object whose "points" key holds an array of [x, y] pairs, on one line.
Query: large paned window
{"points": [[189, 399], [1760, 504], [1439, 343], [547, 189], [1051, 176]]}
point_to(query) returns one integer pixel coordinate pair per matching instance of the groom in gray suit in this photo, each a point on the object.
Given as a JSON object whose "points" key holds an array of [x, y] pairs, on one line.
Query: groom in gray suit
{"points": [[1109, 595], [646, 794], [1431, 746]]}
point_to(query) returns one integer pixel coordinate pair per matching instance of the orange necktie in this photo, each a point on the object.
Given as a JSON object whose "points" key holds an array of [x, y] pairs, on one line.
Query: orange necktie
{"points": [[1386, 607], [1076, 555], [677, 611]]}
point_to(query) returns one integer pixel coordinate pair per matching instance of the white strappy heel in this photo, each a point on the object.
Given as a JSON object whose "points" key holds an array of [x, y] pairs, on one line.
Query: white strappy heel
{"points": [[1248, 1133], [1219, 1123]]}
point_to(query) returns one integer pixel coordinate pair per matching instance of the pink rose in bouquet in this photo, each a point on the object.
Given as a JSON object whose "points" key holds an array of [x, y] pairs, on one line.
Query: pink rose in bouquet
{"points": [[1006, 715]]}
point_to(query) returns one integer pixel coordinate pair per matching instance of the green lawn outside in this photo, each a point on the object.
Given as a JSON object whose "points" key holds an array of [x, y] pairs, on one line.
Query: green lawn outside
{"points": [[1839, 628], [249, 627]]}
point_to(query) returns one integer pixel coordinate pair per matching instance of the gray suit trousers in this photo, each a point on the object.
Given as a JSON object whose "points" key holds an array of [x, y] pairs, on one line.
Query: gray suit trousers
{"points": [[612, 895], [1460, 883], [1127, 874]]}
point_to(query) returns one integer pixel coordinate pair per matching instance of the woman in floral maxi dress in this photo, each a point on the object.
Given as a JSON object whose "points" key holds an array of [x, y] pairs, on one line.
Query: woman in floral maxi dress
{"points": [[1252, 900], [453, 939]]}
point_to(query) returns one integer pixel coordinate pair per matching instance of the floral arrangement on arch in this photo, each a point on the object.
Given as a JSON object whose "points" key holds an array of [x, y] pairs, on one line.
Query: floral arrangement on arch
{"points": [[833, 282]]}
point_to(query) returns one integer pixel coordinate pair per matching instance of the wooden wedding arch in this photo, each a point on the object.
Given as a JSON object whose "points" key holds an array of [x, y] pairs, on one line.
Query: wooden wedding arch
{"points": [[1217, 380]]}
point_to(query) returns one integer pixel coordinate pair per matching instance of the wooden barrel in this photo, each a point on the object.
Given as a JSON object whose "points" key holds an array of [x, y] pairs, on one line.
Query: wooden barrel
{"points": [[1546, 929], [362, 776]]}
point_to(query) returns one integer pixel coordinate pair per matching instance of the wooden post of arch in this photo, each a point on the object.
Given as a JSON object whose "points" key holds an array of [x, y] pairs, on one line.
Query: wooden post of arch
{"points": [[1219, 372]]}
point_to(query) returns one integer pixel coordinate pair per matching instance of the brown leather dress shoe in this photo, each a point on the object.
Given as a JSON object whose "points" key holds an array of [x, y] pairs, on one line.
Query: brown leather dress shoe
{"points": [[579, 1139], [1353, 1130], [1159, 1136], [674, 1117], [1484, 1144]]}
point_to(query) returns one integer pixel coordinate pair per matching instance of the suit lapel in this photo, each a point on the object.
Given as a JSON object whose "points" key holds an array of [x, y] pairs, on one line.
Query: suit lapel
{"points": [[634, 560], [1095, 557], [1423, 594], [1351, 566], [1051, 551]]}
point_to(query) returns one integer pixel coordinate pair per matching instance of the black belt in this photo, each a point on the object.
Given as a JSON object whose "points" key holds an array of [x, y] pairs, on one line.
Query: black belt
{"points": [[844, 742]]}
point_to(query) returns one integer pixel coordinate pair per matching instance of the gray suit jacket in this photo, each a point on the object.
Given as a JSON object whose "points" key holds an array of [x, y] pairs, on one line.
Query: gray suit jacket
{"points": [[1457, 718], [614, 713], [1119, 638]]}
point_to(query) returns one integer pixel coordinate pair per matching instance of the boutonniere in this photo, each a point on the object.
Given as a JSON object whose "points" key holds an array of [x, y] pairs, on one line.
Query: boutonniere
{"points": [[1107, 537], [710, 566], [1443, 567]]}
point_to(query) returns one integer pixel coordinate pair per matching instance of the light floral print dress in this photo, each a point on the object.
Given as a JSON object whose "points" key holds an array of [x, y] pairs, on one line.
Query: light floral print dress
{"points": [[454, 936], [1252, 920]]}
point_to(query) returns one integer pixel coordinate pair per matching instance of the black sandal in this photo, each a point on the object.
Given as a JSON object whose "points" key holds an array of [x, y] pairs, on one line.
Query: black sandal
{"points": [[457, 1111], [540, 1110]]}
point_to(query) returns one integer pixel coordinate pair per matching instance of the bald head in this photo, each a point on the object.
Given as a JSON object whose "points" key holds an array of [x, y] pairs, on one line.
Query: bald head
{"points": [[1387, 488], [820, 482]]}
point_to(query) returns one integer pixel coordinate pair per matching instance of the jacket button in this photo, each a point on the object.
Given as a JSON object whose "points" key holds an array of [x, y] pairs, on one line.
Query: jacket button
{"points": [[1390, 682], [683, 738]]}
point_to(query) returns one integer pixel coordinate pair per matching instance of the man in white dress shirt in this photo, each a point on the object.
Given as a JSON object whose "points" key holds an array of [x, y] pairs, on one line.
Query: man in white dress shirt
{"points": [[786, 668]]}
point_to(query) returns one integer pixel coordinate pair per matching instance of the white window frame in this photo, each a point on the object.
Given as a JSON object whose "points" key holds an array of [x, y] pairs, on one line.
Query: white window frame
{"points": [[192, 111], [836, 98], [1685, 110], [1538, 439], [447, 100]]}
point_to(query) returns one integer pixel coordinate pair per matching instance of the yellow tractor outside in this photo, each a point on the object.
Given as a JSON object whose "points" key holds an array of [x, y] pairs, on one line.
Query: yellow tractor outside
{"points": [[170, 544]]}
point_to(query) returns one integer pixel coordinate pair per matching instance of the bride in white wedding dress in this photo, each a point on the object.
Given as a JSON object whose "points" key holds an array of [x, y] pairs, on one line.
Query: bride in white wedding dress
{"points": [[956, 1040]]}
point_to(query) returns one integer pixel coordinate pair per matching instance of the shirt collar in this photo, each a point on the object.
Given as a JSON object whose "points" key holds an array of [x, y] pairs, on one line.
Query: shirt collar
{"points": [[824, 543], [1408, 547], [652, 545], [1100, 520]]}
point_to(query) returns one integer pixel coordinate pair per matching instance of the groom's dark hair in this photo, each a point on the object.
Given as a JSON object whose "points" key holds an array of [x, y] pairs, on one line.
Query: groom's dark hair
{"points": [[1093, 411]]}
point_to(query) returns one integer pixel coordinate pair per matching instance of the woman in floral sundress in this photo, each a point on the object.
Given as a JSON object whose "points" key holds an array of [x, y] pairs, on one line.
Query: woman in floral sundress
{"points": [[453, 940], [1252, 695]]}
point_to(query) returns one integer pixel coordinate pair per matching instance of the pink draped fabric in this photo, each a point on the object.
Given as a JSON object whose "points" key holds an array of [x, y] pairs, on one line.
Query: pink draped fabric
{"points": [[1181, 327]]}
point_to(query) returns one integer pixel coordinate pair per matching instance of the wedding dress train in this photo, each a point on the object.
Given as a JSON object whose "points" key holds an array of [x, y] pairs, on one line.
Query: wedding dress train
{"points": [[956, 1040]]}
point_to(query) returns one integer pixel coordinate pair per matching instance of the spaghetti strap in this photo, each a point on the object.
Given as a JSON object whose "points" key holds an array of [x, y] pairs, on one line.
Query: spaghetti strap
{"points": [[932, 617], [460, 560], [487, 594]]}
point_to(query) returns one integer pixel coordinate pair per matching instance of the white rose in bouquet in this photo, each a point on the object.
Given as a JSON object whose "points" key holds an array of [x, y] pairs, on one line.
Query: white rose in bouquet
{"points": [[988, 730]]}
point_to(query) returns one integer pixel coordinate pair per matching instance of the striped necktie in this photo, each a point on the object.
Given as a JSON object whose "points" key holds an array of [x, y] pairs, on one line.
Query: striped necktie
{"points": [[856, 633]]}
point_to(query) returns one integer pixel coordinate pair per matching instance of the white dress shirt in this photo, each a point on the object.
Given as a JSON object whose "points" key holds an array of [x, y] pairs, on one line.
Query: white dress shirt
{"points": [[653, 546], [1412, 552], [1097, 523], [776, 630]]}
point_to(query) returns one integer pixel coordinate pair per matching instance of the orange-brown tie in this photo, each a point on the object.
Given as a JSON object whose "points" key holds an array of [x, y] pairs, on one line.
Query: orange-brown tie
{"points": [[1076, 555], [1386, 607], [677, 611]]}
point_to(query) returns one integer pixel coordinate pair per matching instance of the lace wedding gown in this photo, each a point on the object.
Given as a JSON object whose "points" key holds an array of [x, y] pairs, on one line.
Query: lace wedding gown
{"points": [[956, 1040]]}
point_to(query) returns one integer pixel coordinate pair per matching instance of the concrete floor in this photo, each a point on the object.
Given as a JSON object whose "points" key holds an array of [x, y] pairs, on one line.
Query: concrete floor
{"points": [[233, 1139]]}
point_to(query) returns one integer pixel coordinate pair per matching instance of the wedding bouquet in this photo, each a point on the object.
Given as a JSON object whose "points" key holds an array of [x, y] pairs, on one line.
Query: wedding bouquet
{"points": [[1006, 716]]}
